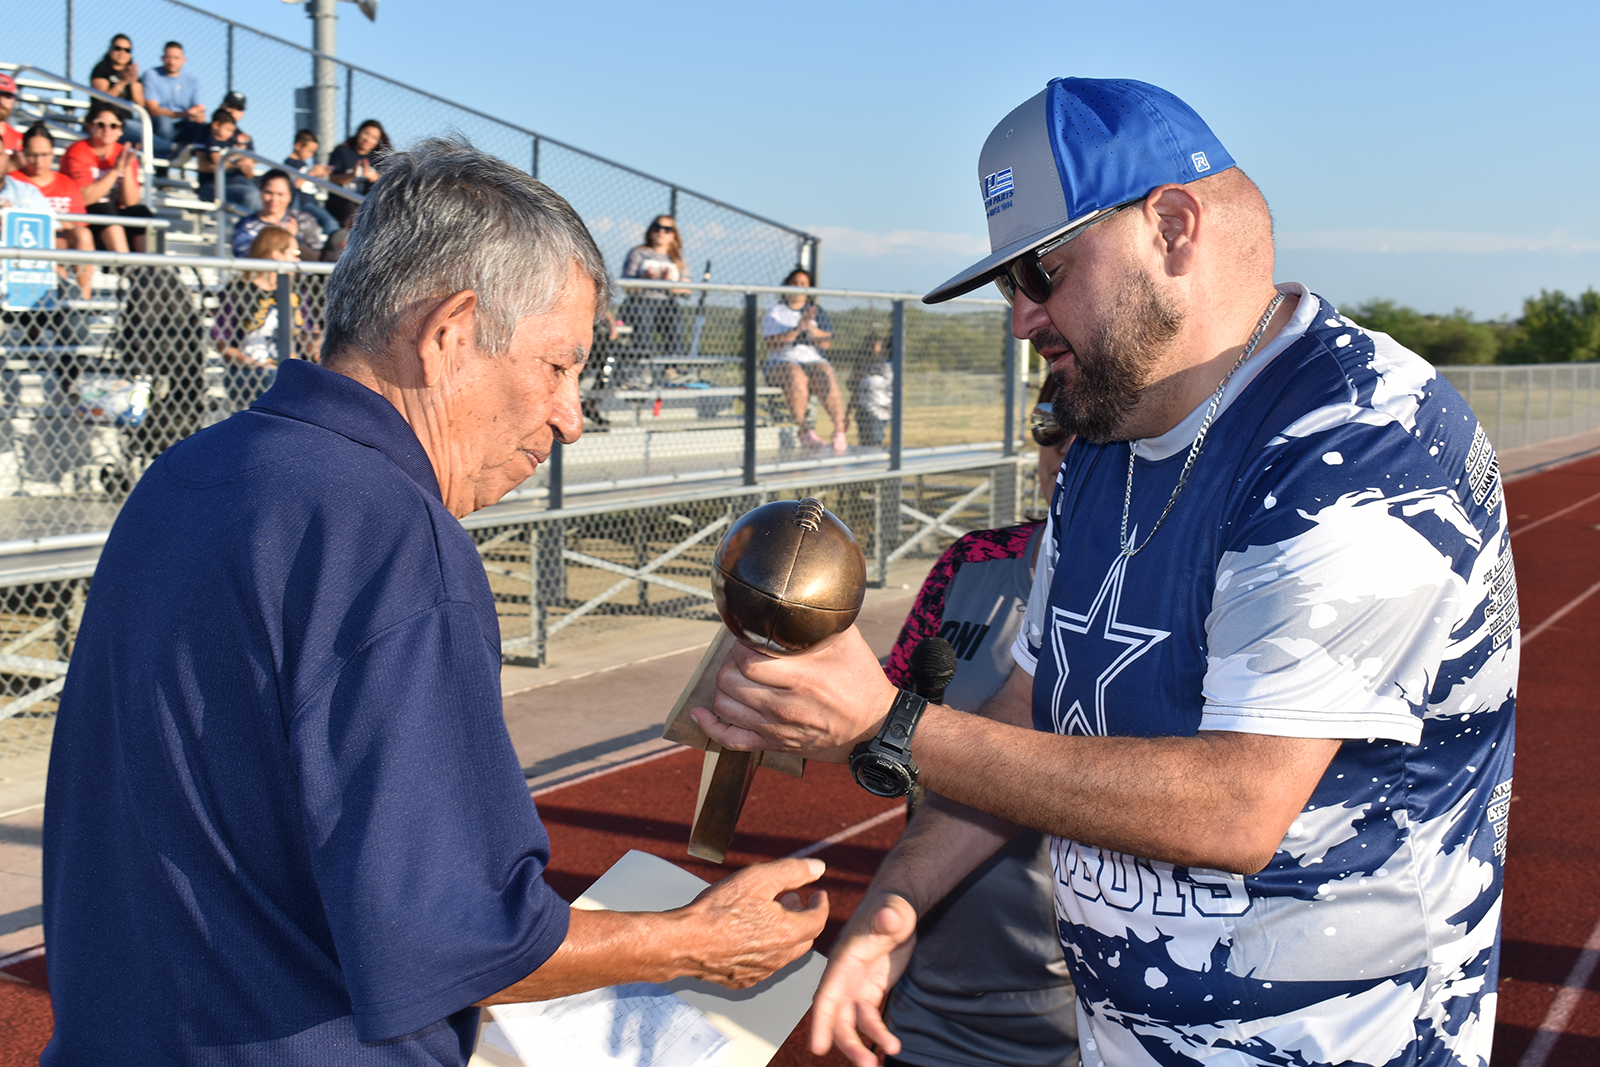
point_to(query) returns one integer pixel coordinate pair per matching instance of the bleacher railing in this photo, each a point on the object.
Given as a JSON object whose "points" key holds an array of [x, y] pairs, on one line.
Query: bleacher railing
{"points": [[616, 200]]}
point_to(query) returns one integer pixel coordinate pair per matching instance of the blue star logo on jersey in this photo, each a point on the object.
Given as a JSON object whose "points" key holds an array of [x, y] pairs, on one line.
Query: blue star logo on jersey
{"points": [[1120, 644]]}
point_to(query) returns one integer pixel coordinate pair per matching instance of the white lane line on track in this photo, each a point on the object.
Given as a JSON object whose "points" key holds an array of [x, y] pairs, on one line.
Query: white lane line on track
{"points": [[848, 832], [1555, 1021], [1554, 515], [1556, 617], [625, 765]]}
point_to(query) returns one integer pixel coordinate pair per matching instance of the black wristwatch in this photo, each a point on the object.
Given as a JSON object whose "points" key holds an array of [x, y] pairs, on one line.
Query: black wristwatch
{"points": [[883, 765]]}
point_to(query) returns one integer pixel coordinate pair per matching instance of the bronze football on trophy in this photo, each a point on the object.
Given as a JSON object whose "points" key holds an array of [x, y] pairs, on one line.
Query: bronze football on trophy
{"points": [[787, 576]]}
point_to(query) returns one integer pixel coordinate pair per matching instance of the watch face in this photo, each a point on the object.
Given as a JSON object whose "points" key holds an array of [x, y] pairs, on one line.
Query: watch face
{"points": [[880, 776]]}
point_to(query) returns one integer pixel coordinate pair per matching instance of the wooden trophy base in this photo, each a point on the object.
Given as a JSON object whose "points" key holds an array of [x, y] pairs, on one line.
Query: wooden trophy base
{"points": [[725, 776]]}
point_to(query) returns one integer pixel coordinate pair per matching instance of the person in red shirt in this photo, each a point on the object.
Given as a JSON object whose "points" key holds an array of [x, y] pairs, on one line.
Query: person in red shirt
{"points": [[38, 153], [108, 173], [10, 139]]}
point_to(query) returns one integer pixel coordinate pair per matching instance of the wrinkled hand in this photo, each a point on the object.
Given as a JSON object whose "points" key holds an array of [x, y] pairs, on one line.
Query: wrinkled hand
{"points": [[818, 704], [867, 960], [753, 922]]}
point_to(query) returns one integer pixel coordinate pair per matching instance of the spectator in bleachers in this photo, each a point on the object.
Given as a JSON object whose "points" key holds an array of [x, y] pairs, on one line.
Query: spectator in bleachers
{"points": [[303, 160], [277, 194], [653, 313], [233, 104], [10, 136], [872, 389], [118, 75], [173, 99], [108, 173], [38, 162], [797, 332], [237, 186], [246, 325], [352, 164]]}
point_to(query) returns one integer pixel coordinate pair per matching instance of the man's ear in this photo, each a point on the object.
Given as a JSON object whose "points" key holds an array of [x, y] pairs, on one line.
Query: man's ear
{"points": [[1179, 220], [446, 334]]}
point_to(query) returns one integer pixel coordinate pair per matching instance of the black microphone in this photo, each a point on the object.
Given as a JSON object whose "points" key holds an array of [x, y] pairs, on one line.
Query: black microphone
{"points": [[933, 664]]}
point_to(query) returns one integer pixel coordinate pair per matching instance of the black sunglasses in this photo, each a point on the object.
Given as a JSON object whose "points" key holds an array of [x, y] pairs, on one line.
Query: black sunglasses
{"points": [[120, 48], [663, 229], [1025, 273], [1046, 431]]}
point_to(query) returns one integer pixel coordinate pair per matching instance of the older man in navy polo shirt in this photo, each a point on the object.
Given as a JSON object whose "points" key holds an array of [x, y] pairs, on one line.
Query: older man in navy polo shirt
{"points": [[285, 823]]}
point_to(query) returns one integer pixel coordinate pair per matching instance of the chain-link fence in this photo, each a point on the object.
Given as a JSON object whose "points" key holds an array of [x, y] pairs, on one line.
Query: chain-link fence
{"points": [[1529, 404], [691, 418], [275, 75], [95, 388]]}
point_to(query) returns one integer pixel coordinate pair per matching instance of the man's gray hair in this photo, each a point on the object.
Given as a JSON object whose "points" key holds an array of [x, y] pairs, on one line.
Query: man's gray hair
{"points": [[446, 217]]}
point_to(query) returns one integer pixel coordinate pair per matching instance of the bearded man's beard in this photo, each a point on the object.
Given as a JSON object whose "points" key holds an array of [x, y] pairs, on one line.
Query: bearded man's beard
{"points": [[1112, 370]]}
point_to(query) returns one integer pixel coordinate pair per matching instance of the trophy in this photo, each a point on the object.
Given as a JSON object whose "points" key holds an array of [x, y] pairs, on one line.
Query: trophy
{"points": [[788, 578]]}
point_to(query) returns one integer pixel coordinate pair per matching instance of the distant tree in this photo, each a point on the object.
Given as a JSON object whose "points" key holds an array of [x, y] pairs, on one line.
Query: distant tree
{"points": [[1557, 328], [1443, 340]]}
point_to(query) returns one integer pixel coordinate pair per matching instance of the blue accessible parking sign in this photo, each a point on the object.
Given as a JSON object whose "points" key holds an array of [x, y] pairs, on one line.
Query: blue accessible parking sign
{"points": [[30, 283]]}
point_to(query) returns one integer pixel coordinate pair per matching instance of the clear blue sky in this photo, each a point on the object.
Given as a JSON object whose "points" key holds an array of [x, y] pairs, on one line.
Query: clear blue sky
{"points": [[1439, 154]]}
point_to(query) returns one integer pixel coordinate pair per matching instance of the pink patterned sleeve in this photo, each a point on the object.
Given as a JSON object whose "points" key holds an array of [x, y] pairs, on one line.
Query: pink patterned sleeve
{"points": [[928, 611]]}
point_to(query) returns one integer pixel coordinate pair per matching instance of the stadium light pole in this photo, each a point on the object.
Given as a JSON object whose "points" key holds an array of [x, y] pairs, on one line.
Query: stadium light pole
{"points": [[325, 72]]}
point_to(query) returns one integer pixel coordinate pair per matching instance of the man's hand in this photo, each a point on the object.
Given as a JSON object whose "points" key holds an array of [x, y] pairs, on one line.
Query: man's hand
{"points": [[819, 704], [869, 957], [196, 112], [753, 923], [736, 933]]}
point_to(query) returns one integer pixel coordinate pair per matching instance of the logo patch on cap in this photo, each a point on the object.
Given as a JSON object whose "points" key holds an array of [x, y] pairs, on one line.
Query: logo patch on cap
{"points": [[1201, 163], [997, 191]]}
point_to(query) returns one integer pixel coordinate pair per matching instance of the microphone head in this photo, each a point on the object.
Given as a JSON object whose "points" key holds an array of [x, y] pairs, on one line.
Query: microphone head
{"points": [[933, 664]]}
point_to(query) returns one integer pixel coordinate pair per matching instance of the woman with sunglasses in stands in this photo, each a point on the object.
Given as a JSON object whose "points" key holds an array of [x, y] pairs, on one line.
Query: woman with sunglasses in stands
{"points": [[118, 75], [108, 173], [653, 313]]}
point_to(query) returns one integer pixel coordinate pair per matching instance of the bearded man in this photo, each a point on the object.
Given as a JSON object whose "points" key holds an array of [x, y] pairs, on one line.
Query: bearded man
{"points": [[1265, 684]]}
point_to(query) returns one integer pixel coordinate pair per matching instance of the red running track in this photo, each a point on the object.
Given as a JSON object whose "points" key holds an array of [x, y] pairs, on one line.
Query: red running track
{"points": [[1549, 1016]]}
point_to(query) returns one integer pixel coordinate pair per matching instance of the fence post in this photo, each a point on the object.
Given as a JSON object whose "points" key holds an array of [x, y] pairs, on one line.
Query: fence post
{"points": [[1010, 358], [69, 40], [349, 101], [673, 205], [535, 170], [555, 485], [750, 389], [885, 527], [285, 318], [897, 364], [230, 57]]}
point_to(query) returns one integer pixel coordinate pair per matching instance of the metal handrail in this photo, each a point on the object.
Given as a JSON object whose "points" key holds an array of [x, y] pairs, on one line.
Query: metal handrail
{"points": [[497, 121], [152, 259], [146, 160], [785, 290], [133, 221]]}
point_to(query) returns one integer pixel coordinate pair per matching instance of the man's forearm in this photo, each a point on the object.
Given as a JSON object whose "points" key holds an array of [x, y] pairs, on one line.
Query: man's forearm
{"points": [[1217, 800], [605, 948], [945, 842]]}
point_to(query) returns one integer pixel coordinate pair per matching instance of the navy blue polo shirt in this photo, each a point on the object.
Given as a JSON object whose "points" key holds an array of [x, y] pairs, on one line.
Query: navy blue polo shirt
{"points": [[285, 823]]}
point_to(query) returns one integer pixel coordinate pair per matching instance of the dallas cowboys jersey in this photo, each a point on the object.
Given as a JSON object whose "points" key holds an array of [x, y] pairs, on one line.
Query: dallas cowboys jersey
{"points": [[1337, 566]]}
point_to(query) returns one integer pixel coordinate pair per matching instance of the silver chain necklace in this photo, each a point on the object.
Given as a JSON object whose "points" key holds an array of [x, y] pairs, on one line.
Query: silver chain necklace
{"points": [[1199, 439]]}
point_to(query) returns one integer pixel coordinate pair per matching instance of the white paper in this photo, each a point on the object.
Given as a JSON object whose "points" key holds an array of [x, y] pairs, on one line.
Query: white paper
{"points": [[636, 1025]]}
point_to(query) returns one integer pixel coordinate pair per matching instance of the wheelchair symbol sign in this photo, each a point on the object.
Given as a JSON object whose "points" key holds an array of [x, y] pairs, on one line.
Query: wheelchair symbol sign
{"points": [[29, 283]]}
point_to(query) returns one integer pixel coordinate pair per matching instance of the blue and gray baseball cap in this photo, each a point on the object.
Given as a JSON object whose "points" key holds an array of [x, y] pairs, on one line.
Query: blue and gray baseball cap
{"points": [[1080, 147]]}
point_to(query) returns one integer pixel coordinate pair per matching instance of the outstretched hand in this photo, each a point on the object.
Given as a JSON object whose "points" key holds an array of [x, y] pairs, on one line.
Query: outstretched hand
{"points": [[867, 960]]}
